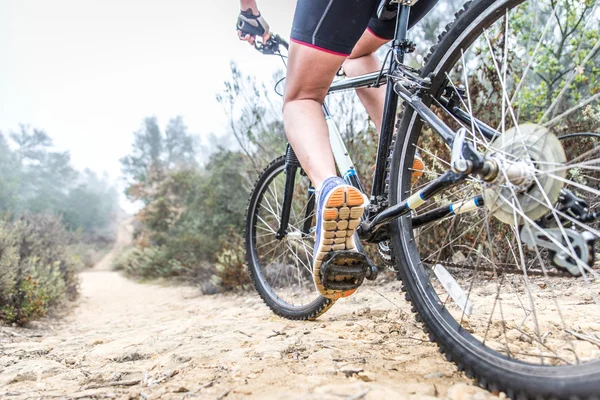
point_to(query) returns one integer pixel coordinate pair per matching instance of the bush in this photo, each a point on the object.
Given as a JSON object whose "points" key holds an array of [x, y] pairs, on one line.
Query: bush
{"points": [[148, 263], [231, 271], [37, 271], [189, 219]]}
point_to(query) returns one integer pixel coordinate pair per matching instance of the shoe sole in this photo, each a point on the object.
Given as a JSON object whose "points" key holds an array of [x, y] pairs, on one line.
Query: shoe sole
{"points": [[344, 207]]}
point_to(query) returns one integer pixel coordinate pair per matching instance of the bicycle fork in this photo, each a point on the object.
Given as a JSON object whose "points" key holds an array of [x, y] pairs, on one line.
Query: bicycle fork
{"points": [[291, 167]]}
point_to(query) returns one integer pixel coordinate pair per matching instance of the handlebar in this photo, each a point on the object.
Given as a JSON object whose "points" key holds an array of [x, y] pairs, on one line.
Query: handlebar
{"points": [[272, 45]]}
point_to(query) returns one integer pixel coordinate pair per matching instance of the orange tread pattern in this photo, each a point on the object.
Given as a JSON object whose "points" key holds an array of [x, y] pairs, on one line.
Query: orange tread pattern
{"points": [[344, 207]]}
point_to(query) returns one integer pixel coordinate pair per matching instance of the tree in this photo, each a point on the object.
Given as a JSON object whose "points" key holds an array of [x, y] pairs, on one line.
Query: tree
{"points": [[91, 205], [146, 152], [153, 153], [35, 178], [9, 176], [179, 145]]}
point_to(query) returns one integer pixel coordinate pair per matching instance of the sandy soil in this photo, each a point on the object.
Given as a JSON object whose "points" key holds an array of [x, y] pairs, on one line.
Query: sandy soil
{"points": [[132, 340]]}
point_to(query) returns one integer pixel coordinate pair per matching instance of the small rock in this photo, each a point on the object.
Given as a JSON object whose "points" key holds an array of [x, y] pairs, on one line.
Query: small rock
{"points": [[458, 257], [181, 390], [364, 311], [435, 375], [116, 377], [128, 357], [180, 359], [525, 338]]}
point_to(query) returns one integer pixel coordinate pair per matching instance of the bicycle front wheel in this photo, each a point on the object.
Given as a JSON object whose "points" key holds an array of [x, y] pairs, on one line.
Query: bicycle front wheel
{"points": [[506, 280], [281, 266]]}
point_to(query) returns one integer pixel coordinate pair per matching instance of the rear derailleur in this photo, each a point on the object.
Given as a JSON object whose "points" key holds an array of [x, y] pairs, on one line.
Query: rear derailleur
{"points": [[554, 239]]}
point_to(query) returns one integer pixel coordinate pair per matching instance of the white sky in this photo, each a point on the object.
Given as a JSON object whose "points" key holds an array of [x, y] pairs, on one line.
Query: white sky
{"points": [[88, 71]]}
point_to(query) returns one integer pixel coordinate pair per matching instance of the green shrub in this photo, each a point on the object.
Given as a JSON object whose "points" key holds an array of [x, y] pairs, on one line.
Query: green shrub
{"points": [[149, 263], [37, 271], [231, 271], [27, 301]]}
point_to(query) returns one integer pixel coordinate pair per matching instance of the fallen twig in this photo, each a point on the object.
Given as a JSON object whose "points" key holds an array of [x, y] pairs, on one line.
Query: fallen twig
{"points": [[207, 385], [243, 333], [394, 304], [110, 384], [276, 333], [330, 347]]}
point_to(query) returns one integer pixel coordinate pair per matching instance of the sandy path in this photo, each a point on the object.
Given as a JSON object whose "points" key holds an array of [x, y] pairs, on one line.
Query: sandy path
{"points": [[131, 340]]}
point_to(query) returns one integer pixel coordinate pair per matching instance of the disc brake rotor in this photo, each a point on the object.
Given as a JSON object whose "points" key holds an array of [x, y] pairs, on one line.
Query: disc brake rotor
{"points": [[542, 155]]}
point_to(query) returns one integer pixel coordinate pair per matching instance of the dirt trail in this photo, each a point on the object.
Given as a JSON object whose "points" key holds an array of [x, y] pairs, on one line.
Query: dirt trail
{"points": [[132, 340]]}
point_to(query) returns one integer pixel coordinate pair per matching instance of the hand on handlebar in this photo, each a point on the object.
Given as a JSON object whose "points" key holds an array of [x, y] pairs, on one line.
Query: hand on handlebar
{"points": [[249, 26]]}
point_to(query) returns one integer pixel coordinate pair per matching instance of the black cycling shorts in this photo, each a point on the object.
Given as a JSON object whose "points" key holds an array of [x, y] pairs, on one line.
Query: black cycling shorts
{"points": [[336, 25]]}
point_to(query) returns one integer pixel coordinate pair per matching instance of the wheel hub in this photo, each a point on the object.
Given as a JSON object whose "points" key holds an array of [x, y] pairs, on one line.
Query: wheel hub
{"points": [[529, 158]]}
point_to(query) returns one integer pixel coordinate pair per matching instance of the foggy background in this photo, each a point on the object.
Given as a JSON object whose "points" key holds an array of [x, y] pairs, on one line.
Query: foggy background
{"points": [[87, 72]]}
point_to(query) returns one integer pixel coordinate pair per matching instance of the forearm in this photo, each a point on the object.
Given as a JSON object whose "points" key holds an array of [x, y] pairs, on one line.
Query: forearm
{"points": [[249, 4]]}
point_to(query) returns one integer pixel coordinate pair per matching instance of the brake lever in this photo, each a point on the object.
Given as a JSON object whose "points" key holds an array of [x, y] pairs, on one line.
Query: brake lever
{"points": [[270, 47]]}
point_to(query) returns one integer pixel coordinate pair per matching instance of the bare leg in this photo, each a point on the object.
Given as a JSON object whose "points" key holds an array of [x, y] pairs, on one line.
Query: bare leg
{"points": [[362, 61], [309, 75]]}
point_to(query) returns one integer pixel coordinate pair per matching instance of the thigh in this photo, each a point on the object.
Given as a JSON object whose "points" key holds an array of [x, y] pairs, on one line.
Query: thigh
{"points": [[310, 72], [385, 30], [331, 25], [367, 44]]}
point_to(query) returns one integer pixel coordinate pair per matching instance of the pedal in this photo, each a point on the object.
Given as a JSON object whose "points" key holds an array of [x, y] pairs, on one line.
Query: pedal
{"points": [[344, 270], [372, 270]]}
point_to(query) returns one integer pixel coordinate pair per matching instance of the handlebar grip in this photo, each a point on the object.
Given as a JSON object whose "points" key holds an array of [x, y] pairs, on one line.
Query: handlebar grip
{"points": [[249, 29]]}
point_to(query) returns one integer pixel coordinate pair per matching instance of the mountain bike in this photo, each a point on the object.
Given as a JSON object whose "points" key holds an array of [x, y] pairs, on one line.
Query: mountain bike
{"points": [[495, 244]]}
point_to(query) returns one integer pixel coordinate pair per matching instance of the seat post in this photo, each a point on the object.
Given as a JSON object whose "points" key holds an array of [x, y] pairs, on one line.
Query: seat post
{"points": [[401, 29]]}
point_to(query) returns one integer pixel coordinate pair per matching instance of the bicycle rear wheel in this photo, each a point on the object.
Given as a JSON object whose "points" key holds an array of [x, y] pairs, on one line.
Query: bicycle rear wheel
{"points": [[510, 291], [281, 268]]}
